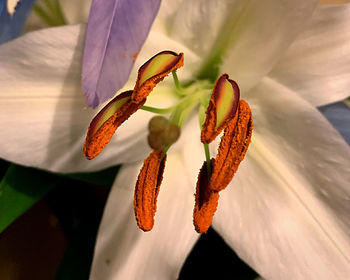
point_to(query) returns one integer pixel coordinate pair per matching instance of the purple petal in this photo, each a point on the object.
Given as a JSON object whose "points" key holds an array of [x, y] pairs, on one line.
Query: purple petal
{"points": [[116, 32]]}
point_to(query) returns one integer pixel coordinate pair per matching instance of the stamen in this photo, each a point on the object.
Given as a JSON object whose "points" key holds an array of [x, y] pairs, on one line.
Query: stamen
{"points": [[222, 108], [233, 147], [154, 71], [105, 123], [147, 189], [157, 110], [178, 86], [207, 159], [206, 202]]}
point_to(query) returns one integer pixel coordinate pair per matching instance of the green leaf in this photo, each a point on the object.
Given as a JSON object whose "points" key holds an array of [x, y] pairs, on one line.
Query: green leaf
{"points": [[20, 188]]}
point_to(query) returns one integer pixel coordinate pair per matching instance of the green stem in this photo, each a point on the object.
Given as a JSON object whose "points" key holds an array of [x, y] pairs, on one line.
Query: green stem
{"points": [[176, 81], [207, 157], [186, 106], [182, 110], [179, 90], [157, 110], [165, 151]]}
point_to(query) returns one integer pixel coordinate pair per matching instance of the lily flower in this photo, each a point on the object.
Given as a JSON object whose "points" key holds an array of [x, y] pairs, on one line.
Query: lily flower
{"points": [[286, 212]]}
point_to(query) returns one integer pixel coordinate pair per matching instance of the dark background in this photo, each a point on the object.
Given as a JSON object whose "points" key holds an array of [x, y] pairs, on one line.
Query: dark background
{"points": [[55, 238]]}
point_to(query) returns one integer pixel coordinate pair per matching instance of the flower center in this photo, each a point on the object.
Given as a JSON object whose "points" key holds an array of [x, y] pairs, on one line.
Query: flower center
{"points": [[219, 109], [163, 132]]}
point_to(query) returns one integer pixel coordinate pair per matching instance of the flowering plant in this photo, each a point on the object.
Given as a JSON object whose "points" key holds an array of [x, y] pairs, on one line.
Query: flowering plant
{"points": [[289, 199]]}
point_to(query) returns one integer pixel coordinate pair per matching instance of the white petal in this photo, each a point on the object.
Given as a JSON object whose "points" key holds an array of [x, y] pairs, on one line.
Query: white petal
{"points": [[123, 251], [167, 11], [263, 32], [317, 65], [286, 213], [43, 116], [192, 149], [251, 34]]}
